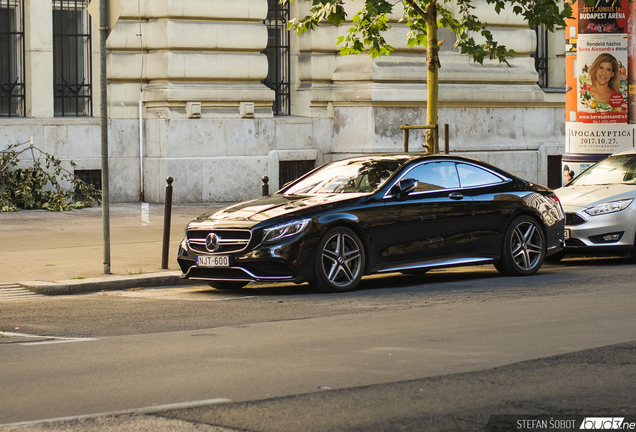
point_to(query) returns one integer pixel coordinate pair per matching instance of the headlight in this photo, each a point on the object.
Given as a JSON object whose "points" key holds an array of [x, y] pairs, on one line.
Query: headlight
{"points": [[289, 229], [612, 207]]}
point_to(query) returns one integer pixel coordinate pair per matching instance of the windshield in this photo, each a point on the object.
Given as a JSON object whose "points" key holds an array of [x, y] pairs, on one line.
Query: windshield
{"points": [[348, 176], [613, 170]]}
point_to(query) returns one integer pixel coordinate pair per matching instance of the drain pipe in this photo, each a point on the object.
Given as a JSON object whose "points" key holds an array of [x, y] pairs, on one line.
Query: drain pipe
{"points": [[141, 149], [141, 107]]}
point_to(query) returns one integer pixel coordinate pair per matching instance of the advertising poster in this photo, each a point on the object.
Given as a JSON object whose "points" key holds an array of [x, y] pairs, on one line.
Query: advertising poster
{"points": [[600, 98], [631, 61], [602, 78], [604, 16], [587, 138]]}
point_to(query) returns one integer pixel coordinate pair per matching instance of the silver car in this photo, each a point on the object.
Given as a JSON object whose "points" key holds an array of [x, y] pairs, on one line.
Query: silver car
{"points": [[600, 207]]}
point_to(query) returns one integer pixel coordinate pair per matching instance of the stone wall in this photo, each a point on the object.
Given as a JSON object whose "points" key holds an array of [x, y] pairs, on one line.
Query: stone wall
{"points": [[207, 118]]}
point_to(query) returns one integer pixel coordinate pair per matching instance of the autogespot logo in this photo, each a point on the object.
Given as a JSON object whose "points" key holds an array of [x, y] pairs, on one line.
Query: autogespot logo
{"points": [[607, 423], [212, 242]]}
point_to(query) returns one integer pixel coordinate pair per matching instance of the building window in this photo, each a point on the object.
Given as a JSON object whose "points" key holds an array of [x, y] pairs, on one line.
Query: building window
{"points": [[91, 177], [278, 55], [72, 58], [541, 55], [291, 170], [11, 58]]}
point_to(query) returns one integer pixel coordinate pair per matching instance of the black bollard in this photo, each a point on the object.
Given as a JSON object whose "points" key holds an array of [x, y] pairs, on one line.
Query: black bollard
{"points": [[167, 214], [265, 185]]}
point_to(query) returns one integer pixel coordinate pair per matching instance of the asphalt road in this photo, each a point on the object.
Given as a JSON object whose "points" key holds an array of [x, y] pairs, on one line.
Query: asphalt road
{"points": [[439, 352]]}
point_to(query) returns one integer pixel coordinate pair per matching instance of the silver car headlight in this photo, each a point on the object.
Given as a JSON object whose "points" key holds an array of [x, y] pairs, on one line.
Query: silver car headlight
{"points": [[611, 207], [282, 231]]}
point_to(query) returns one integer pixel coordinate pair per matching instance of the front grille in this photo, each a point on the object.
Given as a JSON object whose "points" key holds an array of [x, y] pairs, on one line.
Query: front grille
{"points": [[574, 242], [269, 268], [217, 273], [229, 240], [574, 219]]}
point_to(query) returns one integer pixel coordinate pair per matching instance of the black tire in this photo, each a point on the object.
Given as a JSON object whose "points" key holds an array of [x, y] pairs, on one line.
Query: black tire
{"points": [[339, 261], [554, 258], [523, 248], [226, 286]]}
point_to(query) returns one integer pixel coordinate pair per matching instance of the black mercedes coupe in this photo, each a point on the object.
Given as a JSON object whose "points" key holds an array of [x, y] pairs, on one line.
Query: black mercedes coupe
{"points": [[377, 214]]}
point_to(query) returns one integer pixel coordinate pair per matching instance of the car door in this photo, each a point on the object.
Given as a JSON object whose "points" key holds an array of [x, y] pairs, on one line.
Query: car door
{"points": [[433, 221], [494, 203]]}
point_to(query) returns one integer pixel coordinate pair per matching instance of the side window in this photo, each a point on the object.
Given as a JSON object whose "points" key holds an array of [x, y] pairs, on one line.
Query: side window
{"points": [[278, 56], [434, 175], [470, 175], [72, 58]]}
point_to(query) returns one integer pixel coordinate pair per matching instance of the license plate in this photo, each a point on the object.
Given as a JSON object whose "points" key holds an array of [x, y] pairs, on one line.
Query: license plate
{"points": [[566, 235], [213, 261]]}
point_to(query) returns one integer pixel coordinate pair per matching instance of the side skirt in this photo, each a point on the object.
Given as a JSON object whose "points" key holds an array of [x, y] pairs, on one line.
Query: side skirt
{"points": [[455, 262]]}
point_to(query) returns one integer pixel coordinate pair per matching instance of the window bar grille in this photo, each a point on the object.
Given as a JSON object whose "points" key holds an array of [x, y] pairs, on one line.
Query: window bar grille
{"points": [[278, 56], [12, 62], [72, 58], [541, 55]]}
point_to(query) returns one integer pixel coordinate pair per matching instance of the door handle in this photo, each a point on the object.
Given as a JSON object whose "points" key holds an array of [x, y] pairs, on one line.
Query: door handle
{"points": [[456, 196]]}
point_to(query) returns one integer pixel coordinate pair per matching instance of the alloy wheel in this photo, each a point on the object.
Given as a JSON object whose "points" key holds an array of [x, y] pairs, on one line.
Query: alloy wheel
{"points": [[342, 259], [526, 245]]}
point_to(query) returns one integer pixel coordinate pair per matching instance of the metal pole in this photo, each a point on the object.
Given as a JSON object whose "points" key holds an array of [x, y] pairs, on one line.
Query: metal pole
{"points": [[436, 143], [103, 34], [167, 215], [265, 187], [446, 144], [406, 139]]}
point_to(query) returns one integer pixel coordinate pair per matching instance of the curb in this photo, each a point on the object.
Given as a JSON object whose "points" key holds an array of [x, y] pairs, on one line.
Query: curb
{"points": [[105, 283]]}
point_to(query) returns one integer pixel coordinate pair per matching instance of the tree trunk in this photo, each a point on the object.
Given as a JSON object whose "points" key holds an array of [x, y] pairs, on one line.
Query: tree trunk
{"points": [[432, 77]]}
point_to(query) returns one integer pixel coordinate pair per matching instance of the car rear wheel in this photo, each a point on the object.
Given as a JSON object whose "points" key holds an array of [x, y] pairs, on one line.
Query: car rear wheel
{"points": [[523, 249], [226, 286], [339, 261]]}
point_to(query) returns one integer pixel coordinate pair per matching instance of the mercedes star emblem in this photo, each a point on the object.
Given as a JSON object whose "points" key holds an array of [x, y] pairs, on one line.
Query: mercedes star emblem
{"points": [[212, 242]]}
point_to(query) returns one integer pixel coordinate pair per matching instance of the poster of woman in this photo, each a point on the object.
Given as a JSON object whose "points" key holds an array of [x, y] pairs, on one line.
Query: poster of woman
{"points": [[602, 78]]}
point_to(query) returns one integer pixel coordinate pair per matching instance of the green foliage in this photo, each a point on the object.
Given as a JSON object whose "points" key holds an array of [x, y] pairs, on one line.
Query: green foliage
{"points": [[40, 184], [472, 35]]}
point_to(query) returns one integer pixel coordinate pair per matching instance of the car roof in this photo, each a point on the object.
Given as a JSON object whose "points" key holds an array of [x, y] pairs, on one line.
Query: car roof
{"points": [[411, 157], [417, 157], [625, 152]]}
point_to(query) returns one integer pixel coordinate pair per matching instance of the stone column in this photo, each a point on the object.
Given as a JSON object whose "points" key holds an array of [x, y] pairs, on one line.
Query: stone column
{"points": [[201, 59], [39, 58]]}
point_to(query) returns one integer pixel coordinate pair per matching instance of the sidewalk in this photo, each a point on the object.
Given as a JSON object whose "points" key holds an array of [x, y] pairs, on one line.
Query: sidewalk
{"points": [[62, 252]]}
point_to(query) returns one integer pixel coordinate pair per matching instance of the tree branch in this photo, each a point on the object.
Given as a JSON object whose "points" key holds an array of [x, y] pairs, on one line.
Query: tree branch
{"points": [[427, 16]]}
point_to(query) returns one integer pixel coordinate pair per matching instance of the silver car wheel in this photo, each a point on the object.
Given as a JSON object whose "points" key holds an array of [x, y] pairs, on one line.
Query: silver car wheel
{"points": [[523, 248], [341, 260], [527, 245]]}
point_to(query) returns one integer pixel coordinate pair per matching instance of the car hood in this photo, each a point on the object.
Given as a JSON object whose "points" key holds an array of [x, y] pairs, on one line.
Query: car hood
{"points": [[249, 213], [577, 197]]}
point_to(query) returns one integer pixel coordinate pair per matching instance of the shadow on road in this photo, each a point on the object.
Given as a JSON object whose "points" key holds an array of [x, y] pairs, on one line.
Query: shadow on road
{"points": [[436, 278]]}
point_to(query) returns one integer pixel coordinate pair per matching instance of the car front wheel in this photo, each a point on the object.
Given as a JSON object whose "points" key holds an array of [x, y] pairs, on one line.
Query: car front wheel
{"points": [[339, 262], [523, 248]]}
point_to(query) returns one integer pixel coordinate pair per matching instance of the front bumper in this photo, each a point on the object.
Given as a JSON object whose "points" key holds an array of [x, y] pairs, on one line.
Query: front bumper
{"points": [[612, 232], [286, 262]]}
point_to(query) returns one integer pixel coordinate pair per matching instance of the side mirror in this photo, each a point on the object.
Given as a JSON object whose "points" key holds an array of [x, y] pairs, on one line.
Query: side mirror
{"points": [[404, 187]]}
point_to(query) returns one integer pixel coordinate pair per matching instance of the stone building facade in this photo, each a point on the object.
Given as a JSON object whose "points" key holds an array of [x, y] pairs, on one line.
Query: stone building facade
{"points": [[217, 94]]}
